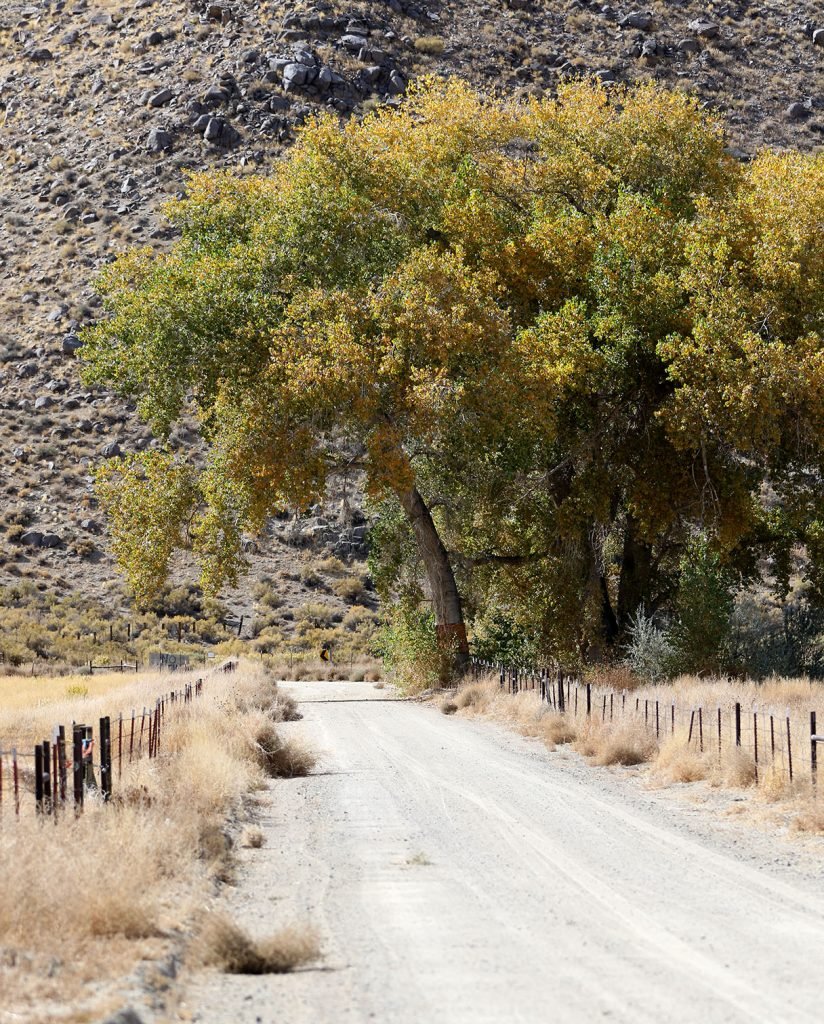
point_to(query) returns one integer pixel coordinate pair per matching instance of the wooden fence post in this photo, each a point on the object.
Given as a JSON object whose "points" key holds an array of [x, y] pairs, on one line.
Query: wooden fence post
{"points": [[47, 776], [61, 762], [38, 778], [106, 758], [813, 750], [77, 766], [15, 776]]}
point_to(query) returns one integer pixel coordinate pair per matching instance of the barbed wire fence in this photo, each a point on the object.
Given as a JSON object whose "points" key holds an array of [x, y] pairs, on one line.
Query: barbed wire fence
{"points": [[779, 742], [79, 759]]}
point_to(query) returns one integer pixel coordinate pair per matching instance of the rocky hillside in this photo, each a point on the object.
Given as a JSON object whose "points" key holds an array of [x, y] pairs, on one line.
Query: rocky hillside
{"points": [[105, 104]]}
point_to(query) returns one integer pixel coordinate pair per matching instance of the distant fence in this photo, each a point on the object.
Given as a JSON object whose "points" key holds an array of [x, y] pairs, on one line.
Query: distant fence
{"points": [[783, 742], [77, 760]]}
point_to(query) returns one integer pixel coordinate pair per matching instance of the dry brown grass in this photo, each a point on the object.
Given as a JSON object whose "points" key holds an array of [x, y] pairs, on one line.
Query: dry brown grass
{"points": [[524, 712], [679, 762], [282, 758], [675, 756], [223, 944], [810, 818], [313, 669], [117, 883], [252, 838], [625, 743]]}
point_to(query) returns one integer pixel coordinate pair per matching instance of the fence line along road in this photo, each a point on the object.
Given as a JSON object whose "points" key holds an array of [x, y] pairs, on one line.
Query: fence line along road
{"points": [[783, 743], [90, 759]]}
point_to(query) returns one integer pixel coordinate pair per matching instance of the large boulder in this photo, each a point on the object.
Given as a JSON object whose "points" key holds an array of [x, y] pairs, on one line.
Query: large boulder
{"points": [[636, 19], [221, 134], [159, 141]]}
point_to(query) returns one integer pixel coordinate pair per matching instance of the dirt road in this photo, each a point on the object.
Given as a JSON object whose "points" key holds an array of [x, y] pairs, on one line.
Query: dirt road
{"points": [[459, 874]]}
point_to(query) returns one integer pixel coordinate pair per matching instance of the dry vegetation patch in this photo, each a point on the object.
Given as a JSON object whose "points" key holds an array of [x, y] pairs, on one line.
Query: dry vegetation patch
{"points": [[660, 727], [122, 882], [223, 944]]}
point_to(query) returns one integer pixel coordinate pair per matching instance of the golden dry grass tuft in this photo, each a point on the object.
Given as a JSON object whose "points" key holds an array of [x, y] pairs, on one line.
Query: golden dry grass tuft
{"points": [[557, 729], [474, 695], [677, 761], [625, 743], [661, 726], [810, 818], [282, 758], [223, 944]]}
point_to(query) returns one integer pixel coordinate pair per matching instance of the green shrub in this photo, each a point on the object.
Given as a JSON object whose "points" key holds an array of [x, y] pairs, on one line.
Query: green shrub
{"points": [[650, 651], [409, 645], [703, 611]]}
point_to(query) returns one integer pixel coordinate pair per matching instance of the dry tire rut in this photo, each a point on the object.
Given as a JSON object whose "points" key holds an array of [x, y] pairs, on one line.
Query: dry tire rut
{"points": [[459, 874]]}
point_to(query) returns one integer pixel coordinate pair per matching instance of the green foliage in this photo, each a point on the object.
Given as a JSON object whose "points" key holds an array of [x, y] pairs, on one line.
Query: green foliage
{"points": [[149, 500], [577, 327], [496, 638], [410, 649], [703, 610]]}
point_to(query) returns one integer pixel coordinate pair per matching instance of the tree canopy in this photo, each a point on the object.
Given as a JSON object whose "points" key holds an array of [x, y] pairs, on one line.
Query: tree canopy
{"points": [[558, 337]]}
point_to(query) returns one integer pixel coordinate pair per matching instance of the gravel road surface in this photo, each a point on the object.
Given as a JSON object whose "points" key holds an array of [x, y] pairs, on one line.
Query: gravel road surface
{"points": [[459, 874]]}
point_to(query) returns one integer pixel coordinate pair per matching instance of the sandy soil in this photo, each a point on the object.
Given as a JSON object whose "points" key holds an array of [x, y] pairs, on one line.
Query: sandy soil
{"points": [[458, 874]]}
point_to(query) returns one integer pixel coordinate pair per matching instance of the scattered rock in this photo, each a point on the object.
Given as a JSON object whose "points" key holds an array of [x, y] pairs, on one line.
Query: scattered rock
{"points": [[220, 133], [396, 85], [704, 28], [798, 111], [818, 37], [294, 76], [215, 96], [112, 450], [159, 141], [125, 1016], [32, 538], [70, 344], [636, 19], [352, 43], [161, 98]]}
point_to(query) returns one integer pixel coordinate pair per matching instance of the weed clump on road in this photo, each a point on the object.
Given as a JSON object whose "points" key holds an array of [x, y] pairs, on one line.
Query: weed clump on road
{"points": [[252, 838], [280, 758], [225, 945]]}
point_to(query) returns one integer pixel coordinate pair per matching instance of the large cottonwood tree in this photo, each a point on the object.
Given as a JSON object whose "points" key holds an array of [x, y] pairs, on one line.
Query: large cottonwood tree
{"points": [[513, 308]]}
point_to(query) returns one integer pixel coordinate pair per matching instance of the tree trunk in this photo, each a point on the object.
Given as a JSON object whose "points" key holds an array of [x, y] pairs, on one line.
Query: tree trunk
{"points": [[636, 574], [446, 601]]}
